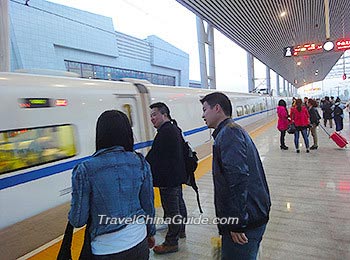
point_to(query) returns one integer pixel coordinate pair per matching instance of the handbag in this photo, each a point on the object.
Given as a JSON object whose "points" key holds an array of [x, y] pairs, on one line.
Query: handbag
{"points": [[291, 128], [65, 252]]}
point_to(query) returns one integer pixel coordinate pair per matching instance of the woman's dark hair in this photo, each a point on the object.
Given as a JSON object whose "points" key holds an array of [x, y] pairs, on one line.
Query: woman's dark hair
{"points": [[312, 102], [113, 128], [219, 98], [298, 104], [282, 103]]}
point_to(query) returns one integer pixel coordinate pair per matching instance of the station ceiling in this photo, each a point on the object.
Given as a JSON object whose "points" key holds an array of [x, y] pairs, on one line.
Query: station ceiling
{"points": [[258, 27]]}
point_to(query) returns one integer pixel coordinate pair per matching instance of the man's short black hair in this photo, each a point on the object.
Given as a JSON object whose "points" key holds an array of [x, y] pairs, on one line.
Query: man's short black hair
{"points": [[219, 98], [162, 108]]}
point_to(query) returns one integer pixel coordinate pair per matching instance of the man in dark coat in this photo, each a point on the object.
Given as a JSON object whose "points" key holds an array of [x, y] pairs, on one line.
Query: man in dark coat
{"points": [[166, 158], [241, 195]]}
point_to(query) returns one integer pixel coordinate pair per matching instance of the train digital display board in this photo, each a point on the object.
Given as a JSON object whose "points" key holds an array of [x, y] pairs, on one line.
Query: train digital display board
{"points": [[34, 102], [307, 49], [301, 50], [41, 102], [342, 45], [316, 48]]}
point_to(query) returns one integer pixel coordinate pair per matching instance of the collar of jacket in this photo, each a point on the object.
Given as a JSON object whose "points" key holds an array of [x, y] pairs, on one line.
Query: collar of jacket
{"points": [[165, 123], [108, 150], [220, 126]]}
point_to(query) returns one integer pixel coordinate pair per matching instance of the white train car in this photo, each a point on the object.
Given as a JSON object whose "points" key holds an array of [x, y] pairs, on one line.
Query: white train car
{"points": [[48, 126]]}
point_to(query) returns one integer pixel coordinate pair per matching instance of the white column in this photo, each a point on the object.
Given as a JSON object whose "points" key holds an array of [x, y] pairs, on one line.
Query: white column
{"points": [[4, 37], [206, 37], [250, 70]]}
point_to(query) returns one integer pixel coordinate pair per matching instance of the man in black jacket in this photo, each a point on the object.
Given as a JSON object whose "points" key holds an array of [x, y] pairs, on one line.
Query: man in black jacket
{"points": [[241, 195], [166, 158]]}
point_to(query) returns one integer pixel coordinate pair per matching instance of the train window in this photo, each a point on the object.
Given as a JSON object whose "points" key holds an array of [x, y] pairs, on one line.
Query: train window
{"points": [[23, 148], [262, 106], [253, 108], [257, 107], [246, 109], [128, 111], [239, 111]]}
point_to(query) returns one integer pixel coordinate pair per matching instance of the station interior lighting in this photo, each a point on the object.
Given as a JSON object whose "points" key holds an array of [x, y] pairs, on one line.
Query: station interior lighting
{"points": [[328, 46], [282, 14]]}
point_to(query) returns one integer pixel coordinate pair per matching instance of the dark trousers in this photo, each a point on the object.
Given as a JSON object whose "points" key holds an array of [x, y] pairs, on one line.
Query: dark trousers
{"points": [[138, 252], [282, 137], [174, 207]]}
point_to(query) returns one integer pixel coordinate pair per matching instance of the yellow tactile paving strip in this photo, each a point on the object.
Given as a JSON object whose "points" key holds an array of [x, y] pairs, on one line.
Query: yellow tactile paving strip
{"points": [[204, 167], [51, 252]]}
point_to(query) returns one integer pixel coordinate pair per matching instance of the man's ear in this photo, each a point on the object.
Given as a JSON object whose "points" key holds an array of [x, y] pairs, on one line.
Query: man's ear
{"points": [[217, 108]]}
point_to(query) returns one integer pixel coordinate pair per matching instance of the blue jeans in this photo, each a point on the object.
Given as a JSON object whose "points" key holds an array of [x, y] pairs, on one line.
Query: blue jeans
{"points": [[173, 205], [249, 251], [305, 137]]}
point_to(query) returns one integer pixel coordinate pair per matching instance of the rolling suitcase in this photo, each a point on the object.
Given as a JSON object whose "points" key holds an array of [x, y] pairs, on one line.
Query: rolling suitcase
{"points": [[337, 138]]}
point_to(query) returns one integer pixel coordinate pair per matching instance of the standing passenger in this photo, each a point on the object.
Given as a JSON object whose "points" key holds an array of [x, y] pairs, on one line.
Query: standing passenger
{"points": [[314, 121], [300, 117], [327, 111], [338, 115], [166, 158], [282, 124], [348, 108], [240, 187], [115, 183]]}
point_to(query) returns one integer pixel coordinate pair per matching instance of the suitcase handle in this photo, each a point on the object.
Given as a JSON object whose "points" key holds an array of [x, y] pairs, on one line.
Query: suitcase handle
{"points": [[324, 130]]}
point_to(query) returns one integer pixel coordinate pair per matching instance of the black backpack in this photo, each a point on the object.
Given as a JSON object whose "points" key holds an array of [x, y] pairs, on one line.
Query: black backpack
{"points": [[191, 163]]}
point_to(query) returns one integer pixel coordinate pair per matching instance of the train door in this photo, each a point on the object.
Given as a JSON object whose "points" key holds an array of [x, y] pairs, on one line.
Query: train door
{"points": [[128, 105]]}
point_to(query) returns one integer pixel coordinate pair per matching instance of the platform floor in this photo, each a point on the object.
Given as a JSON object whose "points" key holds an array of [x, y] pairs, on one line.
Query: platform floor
{"points": [[310, 193]]}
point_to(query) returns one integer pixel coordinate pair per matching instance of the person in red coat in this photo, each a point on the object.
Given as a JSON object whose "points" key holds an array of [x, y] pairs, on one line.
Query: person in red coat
{"points": [[283, 122], [300, 117]]}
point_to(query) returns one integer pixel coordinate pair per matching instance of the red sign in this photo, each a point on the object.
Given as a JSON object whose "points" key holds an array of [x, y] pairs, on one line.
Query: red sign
{"points": [[308, 48], [342, 45]]}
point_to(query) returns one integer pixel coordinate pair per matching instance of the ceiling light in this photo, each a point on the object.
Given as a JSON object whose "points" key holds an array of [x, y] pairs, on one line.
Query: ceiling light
{"points": [[283, 14], [328, 46]]}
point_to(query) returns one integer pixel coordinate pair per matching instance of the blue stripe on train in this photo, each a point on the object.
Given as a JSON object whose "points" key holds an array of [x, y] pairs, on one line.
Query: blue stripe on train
{"points": [[54, 169]]}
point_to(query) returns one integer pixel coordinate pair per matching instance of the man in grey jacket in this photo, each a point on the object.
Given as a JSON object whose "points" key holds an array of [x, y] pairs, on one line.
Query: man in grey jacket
{"points": [[240, 188]]}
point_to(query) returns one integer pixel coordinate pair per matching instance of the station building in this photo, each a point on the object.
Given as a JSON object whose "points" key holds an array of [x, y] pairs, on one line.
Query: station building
{"points": [[50, 36]]}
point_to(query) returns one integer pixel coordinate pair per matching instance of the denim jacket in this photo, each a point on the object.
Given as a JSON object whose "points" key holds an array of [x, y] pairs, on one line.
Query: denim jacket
{"points": [[240, 185], [115, 184]]}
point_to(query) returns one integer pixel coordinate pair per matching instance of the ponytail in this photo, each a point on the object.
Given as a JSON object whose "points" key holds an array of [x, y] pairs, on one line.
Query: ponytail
{"points": [[173, 121]]}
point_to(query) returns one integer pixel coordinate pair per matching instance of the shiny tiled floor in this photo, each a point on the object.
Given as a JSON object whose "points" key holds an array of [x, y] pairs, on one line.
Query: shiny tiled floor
{"points": [[310, 193], [310, 216]]}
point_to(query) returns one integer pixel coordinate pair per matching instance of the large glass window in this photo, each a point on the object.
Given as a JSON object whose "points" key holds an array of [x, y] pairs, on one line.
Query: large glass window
{"points": [[23, 148], [86, 70]]}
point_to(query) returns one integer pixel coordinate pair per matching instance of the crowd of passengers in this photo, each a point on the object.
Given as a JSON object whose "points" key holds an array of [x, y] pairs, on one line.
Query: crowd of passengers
{"points": [[117, 183], [304, 118]]}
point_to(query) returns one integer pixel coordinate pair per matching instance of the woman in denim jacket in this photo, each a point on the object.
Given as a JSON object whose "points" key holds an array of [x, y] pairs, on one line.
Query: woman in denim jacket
{"points": [[113, 191]]}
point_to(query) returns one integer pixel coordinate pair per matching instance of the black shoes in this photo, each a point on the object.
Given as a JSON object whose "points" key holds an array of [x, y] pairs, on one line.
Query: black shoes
{"points": [[283, 147], [314, 147], [298, 151]]}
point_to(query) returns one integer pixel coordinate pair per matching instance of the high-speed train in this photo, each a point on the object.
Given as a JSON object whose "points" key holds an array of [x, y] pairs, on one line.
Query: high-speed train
{"points": [[48, 126]]}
